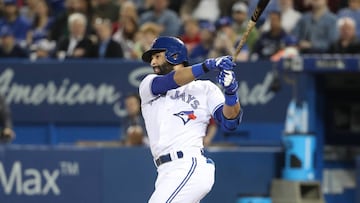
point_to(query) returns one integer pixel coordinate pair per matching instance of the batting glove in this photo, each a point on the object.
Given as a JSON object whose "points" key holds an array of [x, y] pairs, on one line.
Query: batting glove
{"points": [[220, 63], [227, 79]]}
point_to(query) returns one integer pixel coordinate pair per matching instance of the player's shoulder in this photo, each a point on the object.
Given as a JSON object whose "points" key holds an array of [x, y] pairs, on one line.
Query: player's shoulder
{"points": [[145, 86], [147, 79]]}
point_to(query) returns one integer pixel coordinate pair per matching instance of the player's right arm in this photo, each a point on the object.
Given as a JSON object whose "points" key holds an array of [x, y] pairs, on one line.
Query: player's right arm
{"points": [[185, 75]]}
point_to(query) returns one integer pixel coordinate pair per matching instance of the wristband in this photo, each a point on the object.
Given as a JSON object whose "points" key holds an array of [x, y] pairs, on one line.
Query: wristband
{"points": [[231, 99], [198, 70]]}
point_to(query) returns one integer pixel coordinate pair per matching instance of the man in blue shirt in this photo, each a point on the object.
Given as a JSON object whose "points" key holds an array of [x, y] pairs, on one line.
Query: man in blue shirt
{"points": [[166, 18], [272, 41], [106, 46], [11, 19], [316, 30]]}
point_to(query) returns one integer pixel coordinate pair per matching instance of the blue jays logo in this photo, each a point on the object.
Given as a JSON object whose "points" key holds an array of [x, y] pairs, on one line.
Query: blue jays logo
{"points": [[186, 116]]}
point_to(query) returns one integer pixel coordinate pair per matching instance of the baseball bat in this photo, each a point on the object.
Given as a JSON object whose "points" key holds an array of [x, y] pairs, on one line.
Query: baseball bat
{"points": [[260, 7]]}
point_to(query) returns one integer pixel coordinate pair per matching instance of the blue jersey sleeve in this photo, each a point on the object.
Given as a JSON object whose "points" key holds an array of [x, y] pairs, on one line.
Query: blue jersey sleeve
{"points": [[163, 83]]}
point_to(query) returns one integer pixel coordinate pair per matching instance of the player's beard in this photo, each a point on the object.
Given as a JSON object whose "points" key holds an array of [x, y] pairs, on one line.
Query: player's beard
{"points": [[164, 68]]}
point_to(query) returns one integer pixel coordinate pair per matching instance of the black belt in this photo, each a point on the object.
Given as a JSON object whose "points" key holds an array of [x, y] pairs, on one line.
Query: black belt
{"points": [[167, 157]]}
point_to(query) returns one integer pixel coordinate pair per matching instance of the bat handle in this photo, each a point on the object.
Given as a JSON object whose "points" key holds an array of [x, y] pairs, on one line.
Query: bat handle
{"points": [[251, 24]]}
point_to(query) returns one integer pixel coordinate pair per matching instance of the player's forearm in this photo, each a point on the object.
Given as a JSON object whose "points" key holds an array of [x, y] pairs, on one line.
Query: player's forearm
{"points": [[184, 76], [228, 116], [231, 112]]}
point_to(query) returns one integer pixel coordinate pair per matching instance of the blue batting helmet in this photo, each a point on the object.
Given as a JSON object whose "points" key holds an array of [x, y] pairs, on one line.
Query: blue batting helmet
{"points": [[175, 50]]}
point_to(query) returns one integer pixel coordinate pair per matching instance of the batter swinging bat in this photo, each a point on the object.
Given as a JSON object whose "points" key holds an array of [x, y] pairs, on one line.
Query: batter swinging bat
{"points": [[260, 7]]}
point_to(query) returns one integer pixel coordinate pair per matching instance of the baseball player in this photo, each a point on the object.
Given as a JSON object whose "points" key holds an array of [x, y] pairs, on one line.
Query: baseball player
{"points": [[176, 108]]}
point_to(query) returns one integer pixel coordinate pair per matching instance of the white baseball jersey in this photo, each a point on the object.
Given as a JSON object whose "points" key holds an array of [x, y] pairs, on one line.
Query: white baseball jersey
{"points": [[178, 120]]}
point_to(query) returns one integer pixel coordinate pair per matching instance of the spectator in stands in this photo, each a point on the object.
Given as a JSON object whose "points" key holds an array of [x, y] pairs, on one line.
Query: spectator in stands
{"points": [[125, 36], [17, 24], [60, 26], [148, 32], [106, 9], [191, 36], [352, 11], [78, 44], [201, 51], [289, 16], [334, 5], [167, 19], [140, 5], [240, 18], [289, 49], [134, 132], [9, 47], [200, 10], [316, 29], [348, 42], [226, 40], [126, 29], [28, 10], [210, 132], [41, 24], [272, 41], [128, 10], [43, 49], [7, 134], [106, 46]]}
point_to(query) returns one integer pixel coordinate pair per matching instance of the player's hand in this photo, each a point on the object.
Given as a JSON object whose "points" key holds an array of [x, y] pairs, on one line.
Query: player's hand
{"points": [[220, 63], [227, 79]]}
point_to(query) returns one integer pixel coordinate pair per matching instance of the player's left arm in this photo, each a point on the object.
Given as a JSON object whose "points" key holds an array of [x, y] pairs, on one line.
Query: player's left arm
{"points": [[232, 106], [230, 114]]}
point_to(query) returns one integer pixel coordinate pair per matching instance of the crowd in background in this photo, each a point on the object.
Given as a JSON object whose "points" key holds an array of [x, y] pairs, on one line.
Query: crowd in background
{"points": [[42, 29]]}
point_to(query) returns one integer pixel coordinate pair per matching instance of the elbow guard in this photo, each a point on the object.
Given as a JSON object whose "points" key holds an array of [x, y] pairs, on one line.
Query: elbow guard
{"points": [[228, 124]]}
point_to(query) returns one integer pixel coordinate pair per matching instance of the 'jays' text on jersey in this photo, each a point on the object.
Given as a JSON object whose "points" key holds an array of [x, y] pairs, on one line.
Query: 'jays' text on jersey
{"points": [[178, 119]]}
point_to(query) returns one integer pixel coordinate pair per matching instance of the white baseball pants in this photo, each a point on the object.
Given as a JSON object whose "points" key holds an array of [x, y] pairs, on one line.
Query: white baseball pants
{"points": [[185, 180]]}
